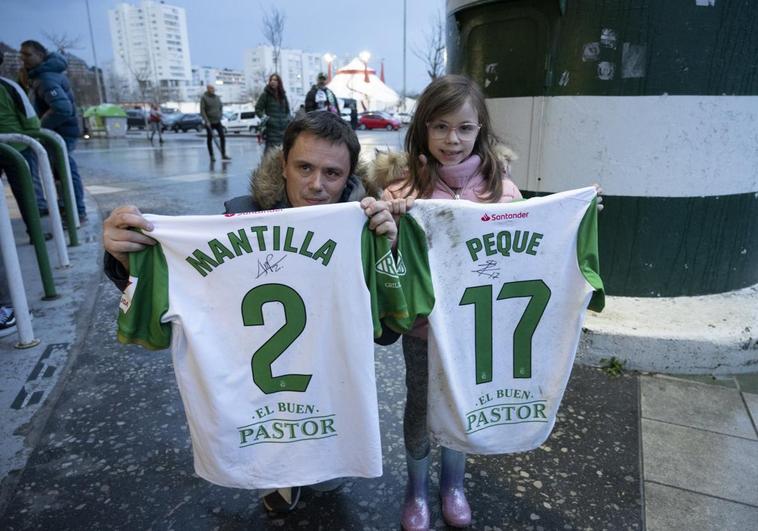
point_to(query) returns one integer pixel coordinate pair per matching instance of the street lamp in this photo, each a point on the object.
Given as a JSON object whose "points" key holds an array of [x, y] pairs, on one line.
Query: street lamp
{"points": [[94, 56], [365, 56], [329, 58]]}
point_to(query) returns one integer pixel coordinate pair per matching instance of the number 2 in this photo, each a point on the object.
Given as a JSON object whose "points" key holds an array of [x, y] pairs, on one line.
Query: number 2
{"points": [[481, 298], [266, 355]]}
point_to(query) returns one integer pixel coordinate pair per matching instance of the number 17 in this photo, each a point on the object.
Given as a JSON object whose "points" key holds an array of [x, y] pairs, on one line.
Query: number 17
{"points": [[481, 298]]}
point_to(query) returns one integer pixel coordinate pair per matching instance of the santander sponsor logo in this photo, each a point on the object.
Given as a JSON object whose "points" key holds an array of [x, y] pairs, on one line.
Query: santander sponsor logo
{"points": [[501, 217]]}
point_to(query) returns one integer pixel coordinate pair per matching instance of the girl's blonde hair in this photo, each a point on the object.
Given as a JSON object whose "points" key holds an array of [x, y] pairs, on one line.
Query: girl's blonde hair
{"points": [[445, 95]]}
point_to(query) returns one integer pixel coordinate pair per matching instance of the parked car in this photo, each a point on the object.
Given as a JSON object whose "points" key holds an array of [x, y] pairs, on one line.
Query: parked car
{"points": [[135, 118], [404, 117], [244, 121], [377, 120], [188, 121], [168, 120]]}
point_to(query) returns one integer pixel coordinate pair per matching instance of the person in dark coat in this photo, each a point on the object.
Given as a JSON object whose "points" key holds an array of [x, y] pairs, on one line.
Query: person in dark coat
{"points": [[274, 106], [321, 98], [54, 102]]}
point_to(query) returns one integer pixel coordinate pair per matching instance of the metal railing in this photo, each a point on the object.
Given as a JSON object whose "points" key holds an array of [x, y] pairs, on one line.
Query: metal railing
{"points": [[48, 185], [13, 272], [56, 147]]}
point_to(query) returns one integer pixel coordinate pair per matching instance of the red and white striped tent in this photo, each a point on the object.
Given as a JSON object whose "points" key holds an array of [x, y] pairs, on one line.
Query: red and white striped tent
{"points": [[372, 95]]}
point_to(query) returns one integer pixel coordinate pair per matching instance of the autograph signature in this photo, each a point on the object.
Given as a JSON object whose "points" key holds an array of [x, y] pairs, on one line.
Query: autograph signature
{"points": [[268, 267], [488, 269]]}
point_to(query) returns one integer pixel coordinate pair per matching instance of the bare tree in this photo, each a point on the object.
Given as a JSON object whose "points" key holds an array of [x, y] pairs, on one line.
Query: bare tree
{"points": [[142, 75], [432, 53], [63, 42], [273, 31], [114, 85]]}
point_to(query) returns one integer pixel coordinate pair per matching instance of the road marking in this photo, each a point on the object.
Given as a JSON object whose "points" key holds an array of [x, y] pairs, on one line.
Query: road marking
{"points": [[40, 380], [189, 177], [96, 189]]}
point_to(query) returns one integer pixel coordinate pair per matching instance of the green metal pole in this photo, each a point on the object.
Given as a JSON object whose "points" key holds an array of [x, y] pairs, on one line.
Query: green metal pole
{"points": [[61, 167], [11, 158]]}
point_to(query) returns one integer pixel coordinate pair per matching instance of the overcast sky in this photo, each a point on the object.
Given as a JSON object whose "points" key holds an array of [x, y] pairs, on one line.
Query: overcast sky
{"points": [[220, 30]]}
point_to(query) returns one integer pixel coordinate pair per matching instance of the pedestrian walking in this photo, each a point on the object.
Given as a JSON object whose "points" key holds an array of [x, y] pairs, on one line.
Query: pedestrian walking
{"points": [[211, 109], [354, 114], [54, 102], [273, 107], [321, 98], [154, 120]]}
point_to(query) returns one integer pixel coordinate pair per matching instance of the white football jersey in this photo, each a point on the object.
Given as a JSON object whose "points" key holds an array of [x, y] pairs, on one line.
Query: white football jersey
{"points": [[271, 318], [505, 287]]}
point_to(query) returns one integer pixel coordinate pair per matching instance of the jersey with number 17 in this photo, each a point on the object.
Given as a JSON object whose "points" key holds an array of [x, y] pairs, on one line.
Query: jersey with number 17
{"points": [[505, 288], [271, 318]]}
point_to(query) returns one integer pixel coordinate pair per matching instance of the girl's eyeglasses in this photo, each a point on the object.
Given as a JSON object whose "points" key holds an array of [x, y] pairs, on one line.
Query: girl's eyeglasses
{"points": [[440, 130]]}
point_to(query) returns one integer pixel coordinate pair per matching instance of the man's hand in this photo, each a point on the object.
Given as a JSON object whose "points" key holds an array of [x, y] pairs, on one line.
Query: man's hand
{"points": [[380, 216], [119, 240]]}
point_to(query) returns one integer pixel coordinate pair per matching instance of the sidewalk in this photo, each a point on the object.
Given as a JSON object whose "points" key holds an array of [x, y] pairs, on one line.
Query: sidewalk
{"points": [[700, 452], [94, 437]]}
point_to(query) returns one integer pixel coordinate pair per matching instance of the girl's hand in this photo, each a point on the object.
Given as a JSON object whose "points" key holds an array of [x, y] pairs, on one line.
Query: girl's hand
{"points": [[599, 191], [398, 207], [380, 218]]}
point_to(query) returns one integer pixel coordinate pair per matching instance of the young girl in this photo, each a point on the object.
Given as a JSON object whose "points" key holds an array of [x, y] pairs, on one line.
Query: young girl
{"points": [[451, 154]]}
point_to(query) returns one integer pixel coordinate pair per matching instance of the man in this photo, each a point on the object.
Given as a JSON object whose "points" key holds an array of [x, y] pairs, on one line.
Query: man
{"points": [[211, 109], [321, 98], [54, 103], [18, 116], [316, 165]]}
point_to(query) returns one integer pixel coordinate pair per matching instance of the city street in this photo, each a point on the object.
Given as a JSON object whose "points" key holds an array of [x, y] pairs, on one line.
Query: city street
{"points": [[110, 448]]}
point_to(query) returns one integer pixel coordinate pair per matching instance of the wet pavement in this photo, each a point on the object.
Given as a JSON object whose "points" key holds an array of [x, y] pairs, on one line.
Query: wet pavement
{"points": [[107, 446]]}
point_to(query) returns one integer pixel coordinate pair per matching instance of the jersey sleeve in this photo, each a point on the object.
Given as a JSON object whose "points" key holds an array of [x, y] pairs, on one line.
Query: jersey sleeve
{"points": [[414, 274], [145, 301], [380, 273], [588, 258]]}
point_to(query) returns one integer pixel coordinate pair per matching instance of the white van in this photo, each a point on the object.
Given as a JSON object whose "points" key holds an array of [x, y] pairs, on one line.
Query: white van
{"points": [[244, 121]]}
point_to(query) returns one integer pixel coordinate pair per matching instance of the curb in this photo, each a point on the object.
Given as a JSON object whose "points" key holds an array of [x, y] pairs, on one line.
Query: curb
{"points": [[710, 334]]}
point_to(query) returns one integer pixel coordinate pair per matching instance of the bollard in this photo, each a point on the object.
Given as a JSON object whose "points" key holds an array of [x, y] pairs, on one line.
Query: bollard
{"points": [[15, 280], [56, 146], [10, 156], [51, 195]]}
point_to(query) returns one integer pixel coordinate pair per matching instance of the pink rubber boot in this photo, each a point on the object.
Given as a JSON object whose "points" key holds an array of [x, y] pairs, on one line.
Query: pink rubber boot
{"points": [[415, 516], [455, 508]]}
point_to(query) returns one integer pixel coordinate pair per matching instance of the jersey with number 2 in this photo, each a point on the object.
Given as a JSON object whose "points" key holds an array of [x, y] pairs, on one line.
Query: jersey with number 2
{"points": [[271, 318]]}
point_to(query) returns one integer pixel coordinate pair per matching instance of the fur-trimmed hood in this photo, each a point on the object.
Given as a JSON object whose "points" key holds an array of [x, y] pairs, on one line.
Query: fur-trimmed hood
{"points": [[392, 166], [267, 183]]}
